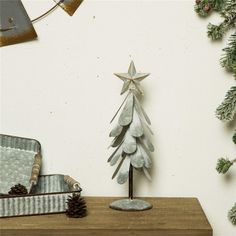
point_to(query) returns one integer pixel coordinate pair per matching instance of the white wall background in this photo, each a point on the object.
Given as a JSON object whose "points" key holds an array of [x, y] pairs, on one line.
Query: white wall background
{"points": [[61, 90]]}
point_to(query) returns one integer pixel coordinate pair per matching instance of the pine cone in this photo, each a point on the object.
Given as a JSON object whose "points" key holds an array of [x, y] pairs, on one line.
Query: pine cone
{"points": [[18, 189], [198, 2], [76, 206], [207, 8]]}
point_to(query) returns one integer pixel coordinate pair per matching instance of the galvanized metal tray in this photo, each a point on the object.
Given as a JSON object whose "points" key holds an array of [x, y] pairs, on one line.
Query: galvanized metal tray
{"points": [[20, 162], [47, 197]]}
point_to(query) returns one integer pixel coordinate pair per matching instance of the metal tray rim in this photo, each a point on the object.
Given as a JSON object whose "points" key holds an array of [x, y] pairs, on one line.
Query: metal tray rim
{"points": [[30, 139], [39, 194]]}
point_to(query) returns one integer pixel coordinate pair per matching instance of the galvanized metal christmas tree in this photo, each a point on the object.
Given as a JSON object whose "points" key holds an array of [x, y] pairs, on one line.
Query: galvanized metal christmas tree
{"points": [[131, 139]]}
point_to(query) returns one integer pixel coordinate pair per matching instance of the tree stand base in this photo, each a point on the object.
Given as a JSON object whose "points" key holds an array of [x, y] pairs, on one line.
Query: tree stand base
{"points": [[130, 205]]}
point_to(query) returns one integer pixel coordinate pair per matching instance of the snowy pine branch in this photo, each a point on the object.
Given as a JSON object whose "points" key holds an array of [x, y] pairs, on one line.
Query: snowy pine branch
{"points": [[234, 137], [204, 7], [232, 214], [228, 13], [216, 31], [227, 109], [229, 58], [234, 70], [223, 165]]}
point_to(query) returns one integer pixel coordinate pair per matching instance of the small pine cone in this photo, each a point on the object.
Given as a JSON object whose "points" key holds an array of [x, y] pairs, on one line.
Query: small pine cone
{"points": [[18, 189], [232, 215], [198, 2], [203, 7], [76, 206], [223, 165], [207, 8]]}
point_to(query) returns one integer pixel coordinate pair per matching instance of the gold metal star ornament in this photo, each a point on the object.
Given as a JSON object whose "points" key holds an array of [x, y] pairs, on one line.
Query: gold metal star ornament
{"points": [[132, 79]]}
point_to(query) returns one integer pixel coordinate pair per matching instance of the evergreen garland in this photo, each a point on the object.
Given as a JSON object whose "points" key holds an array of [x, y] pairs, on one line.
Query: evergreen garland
{"points": [[227, 109]]}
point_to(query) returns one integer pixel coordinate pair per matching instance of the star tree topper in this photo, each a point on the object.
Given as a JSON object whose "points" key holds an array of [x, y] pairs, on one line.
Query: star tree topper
{"points": [[132, 79]]}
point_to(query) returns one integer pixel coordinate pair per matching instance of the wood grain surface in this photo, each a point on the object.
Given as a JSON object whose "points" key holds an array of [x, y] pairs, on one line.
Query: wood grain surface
{"points": [[169, 217]]}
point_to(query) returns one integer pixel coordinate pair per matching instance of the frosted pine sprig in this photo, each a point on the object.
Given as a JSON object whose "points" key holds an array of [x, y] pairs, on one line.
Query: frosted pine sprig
{"points": [[232, 214], [223, 165], [205, 7], [227, 109], [228, 59], [234, 137]]}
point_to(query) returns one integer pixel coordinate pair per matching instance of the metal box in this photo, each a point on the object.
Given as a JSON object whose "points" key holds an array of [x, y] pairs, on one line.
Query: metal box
{"points": [[20, 162]]}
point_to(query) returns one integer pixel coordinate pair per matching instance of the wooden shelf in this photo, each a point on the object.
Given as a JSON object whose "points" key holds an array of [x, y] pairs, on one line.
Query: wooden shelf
{"points": [[169, 217]]}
